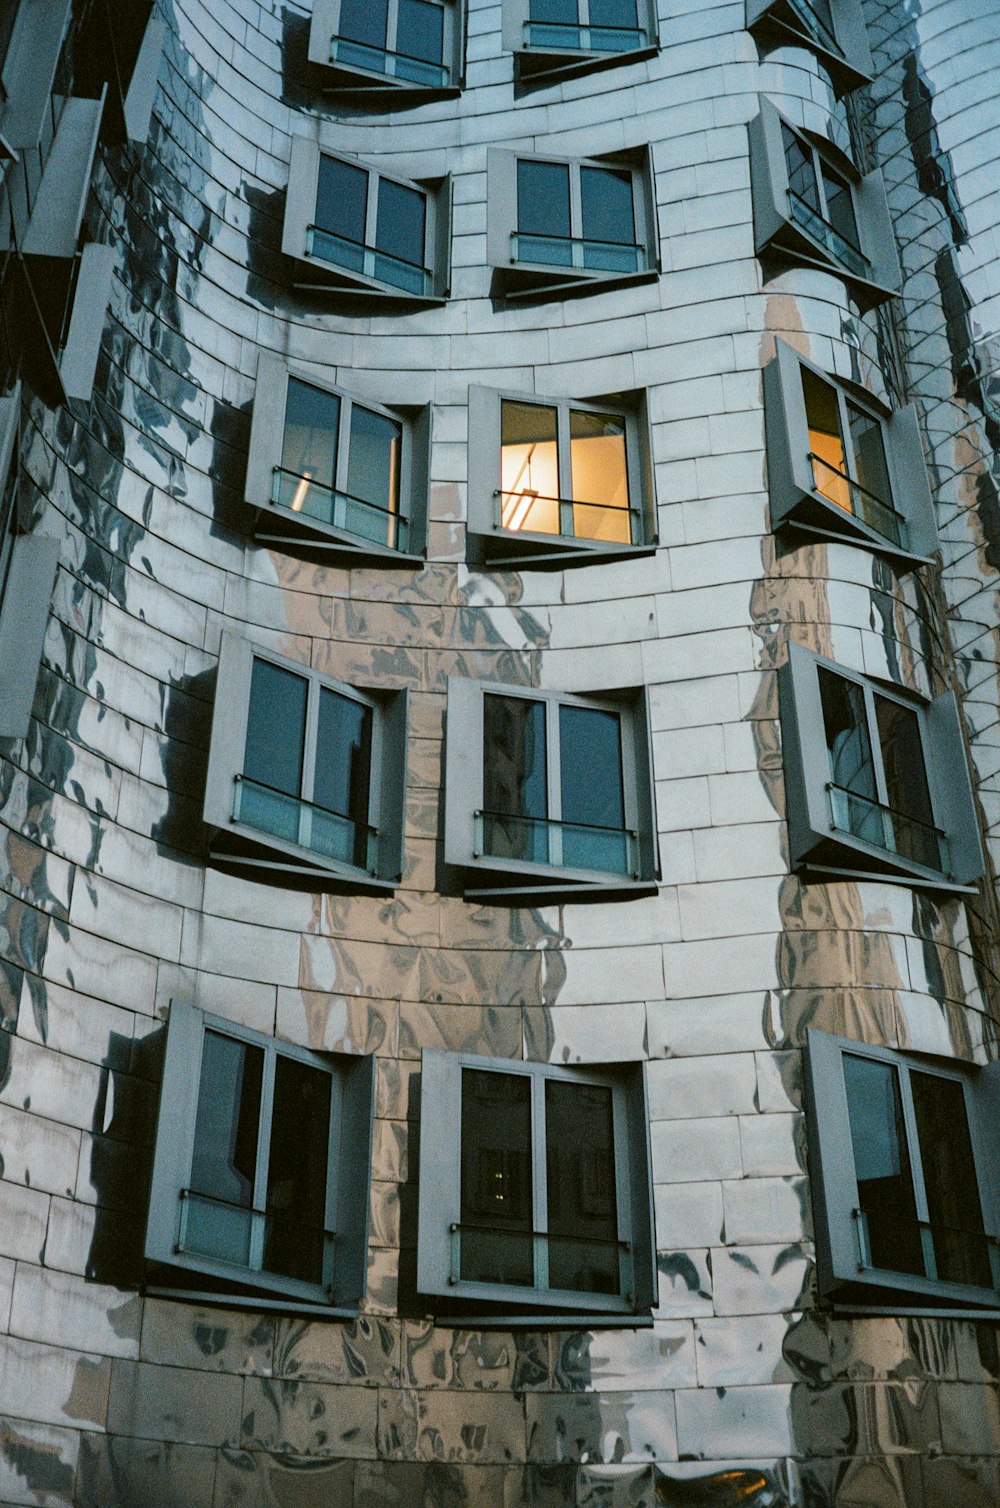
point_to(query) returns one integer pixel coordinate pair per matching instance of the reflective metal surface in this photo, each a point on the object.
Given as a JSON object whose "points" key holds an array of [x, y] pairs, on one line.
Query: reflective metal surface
{"points": [[744, 1391]]}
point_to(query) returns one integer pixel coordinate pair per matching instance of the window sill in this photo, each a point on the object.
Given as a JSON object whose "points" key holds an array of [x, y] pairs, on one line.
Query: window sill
{"points": [[313, 275], [479, 1318], [525, 282], [779, 25], [794, 247], [281, 526], [241, 848], [536, 67], [531, 889], [878, 1291], [342, 82], [915, 878], [512, 551], [217, 1299], [818, 517]]}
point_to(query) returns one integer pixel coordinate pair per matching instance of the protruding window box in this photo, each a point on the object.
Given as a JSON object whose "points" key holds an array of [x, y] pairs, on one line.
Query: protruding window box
{"points": [[535, 1191], [353, 229], [833, 30], [556, 482], [842, 465], [28, 69], [548, 793], [333, 473], [813, 208], [876, 781], [394, 51], [553, 39], [561, 226], [902, 1156], [306, 775]]}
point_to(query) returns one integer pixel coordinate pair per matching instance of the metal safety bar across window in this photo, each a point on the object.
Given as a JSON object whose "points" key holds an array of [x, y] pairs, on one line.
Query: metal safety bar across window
{"points": [[585, 38], [397, 65], [562, 844], [511, 504], [578, 252], [541, 1242], [814, 24], [839, 247], [974, 1250], [214, 1237], [871, 510], [316, 828], [342, 510], [874, 822], [383, 266]]}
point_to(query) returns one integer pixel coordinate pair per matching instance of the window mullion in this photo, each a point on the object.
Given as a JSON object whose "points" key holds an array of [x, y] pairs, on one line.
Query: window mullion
{"points": [[554, 771], [539, 1182], [258, 1220], [916, 1171], [331, 1233], [564, 470], [845, 432], [371, 217], [575, 214], [875, 743], [309, 762], [623, 1192], [343, 461], [817, 163], [391, 26]]}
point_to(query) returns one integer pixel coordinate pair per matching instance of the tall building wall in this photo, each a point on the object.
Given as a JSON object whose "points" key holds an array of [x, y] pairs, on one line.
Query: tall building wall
{"points": [[744, 1388]]}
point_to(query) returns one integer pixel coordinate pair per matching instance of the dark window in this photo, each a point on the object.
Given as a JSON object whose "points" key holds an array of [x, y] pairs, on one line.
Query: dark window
{"points": [[370, 225], [577, 215], [594, 26], [341, 213], [821, 201], [398, 41], [543, 213]]}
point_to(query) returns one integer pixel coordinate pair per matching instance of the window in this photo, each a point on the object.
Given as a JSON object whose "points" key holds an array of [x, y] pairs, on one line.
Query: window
{"points": [[547, 792], [534, 1186], [402, 46], [901, 1152], [355, 228], [555, 481], [840, 463], [574, 36], [834, 30], [553, 225], [306, 776], [346, 475], [27, 574], [876, 780], [262, 1164], [812, 208], [34, 37]]}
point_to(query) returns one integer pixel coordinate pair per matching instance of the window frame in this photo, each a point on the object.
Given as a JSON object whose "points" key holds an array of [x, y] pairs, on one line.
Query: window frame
{"points": [[545, 64], [795, 499], [841, 1269], [516, 279], [352, 1102], [783, 23], [783, 241], [274, 523], [817, 847], [353, 78], [439, 1194], [314, 273], [29, 70], [488, 876], [488, 540], [233, 842]]}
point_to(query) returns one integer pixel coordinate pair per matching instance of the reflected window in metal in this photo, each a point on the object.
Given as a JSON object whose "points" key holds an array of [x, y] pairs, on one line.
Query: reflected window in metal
{"points": [[371, 225], [565, 471], [577, 215]]}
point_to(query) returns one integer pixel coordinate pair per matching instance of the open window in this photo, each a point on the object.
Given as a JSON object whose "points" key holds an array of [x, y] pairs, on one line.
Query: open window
{"points": [[548, 793], [842, 464], [876, 780], [565, 37], [410, 48], [834, 30], [353, 228], [903, 1161], [336, 472], [27, 574], [535, 1188], [561, 225], [261, 1168], [558, 481], [305, 775], [813, 208]]}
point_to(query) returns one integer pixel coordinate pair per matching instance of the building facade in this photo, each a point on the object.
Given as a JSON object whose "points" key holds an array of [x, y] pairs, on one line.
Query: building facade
{"points": [[499, 780]]}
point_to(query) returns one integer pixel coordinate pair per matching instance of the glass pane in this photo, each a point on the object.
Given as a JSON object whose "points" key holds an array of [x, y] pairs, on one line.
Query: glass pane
{"points": [[529, 468], [496, 1240], [801, 170], [608, 220], [615, 13], [839, 204], [373, 474], [420, 33], [224, 1164], [276, 730], [956, 1217], [582, 1201], [515, 783], [868, 445], [342, 779], [309, 449], [882, 1165], [907, 792], [364, 21], [852, 768], [400, 227], [599, 474], [543, 223], [566, 11], [342, 206], [297, 1171], [826, 442], [593, 798]]}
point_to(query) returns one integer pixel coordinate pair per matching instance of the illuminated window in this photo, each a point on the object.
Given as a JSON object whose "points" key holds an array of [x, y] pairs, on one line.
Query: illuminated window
{"points": [[534, 1185]]}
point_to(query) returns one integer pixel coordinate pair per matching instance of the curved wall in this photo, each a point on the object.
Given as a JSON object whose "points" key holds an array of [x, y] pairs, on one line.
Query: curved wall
{"points": [[743, 1390]]}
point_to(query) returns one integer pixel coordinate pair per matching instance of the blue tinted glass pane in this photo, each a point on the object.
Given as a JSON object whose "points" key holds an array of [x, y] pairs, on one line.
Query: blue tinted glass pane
{"points": [[607, 206], [297, 1171], [847, 739], [566, 11], [801, 170], [614, 13], [590, 765], [276, 727], [840, 205], [342, 199], [420, 30], [401, 217], [373, 463], [309, 444], [364, 21], [343, 756], [216, 1219], [543, 199], [882, 1164], [496, 1202]]}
